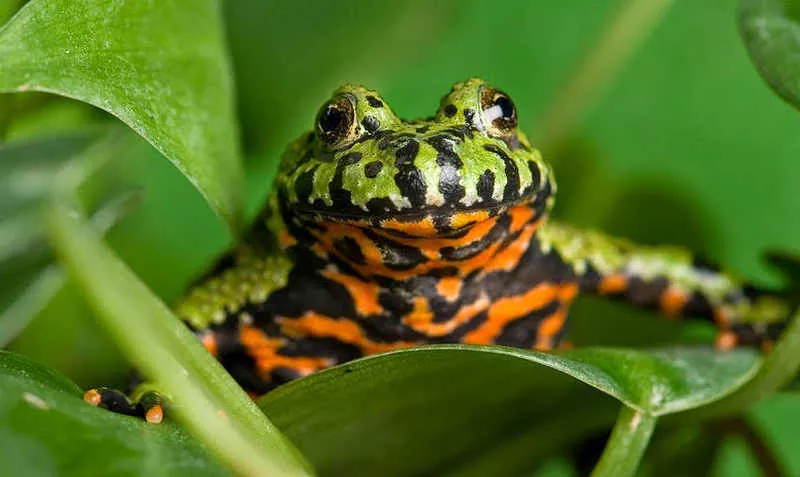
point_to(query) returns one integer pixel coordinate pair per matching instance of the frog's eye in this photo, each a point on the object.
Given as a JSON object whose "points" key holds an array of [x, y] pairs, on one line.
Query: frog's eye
{"points": [[499, 113], [336, 122]]}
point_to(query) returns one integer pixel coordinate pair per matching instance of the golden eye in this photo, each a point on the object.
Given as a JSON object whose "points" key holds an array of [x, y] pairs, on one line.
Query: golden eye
{"points": [[336, 123], [499, 113]]}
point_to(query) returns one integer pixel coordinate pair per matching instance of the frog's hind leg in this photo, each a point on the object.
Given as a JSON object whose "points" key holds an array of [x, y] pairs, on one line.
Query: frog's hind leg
{"points": [[672, 281], [146, 404]]}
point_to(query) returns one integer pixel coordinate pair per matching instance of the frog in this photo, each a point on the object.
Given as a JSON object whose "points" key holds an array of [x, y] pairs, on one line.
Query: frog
{"points": [[382, 233]]}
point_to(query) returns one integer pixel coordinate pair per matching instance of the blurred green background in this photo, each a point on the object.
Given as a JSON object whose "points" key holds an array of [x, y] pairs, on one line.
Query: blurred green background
{"points": [[686, 146]]}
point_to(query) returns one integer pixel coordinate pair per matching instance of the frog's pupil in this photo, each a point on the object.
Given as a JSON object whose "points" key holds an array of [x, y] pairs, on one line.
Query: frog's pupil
{"points": [[331, 119], [506, 106]]}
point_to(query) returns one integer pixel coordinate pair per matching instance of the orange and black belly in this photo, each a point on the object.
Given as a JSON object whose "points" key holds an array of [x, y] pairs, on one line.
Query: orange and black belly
{"points": [[356, 289]]}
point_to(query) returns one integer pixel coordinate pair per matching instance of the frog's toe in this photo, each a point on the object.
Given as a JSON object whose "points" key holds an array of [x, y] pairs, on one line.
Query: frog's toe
{"points": [[149, 406]]}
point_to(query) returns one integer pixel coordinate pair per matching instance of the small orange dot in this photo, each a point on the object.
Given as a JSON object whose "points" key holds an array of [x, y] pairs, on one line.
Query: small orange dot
{"points": [[155, 414], [767, 345], [93, 397], [726, 340]]}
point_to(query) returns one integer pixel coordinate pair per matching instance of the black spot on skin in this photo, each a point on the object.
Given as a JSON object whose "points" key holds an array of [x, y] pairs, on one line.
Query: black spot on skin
{"points": [[350, 158], [511, 191], [469, 115], [348, 247], [372, 169], [498, 231], [341, 197], [304, 185], [380, 204], [450, 110], [332, 348], [374, 102], [536, 175], [371, 124], [423, 129], [450, 164], [522, 332], [401, 257], [410, 181], [485, 186], [406, 154], [646, 293]]}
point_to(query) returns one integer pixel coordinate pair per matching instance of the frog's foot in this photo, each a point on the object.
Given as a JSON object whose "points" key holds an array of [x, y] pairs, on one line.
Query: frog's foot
{"points": [[150, 406], [760, 335]]}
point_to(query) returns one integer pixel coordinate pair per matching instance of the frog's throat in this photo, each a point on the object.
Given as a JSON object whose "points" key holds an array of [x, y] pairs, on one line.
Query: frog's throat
{"points": [[483, 243]]}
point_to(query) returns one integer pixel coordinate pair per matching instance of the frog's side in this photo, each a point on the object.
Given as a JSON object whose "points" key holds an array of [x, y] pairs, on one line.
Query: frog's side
{"points": [[383, 234]]}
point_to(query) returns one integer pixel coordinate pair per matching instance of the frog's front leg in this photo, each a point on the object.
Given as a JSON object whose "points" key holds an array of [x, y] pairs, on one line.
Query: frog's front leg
{"points": [[670, 280]]}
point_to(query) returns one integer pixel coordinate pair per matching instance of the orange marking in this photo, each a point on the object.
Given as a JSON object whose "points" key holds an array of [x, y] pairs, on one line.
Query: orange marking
{"points": [[93, 397], [509, 257], [428, 243], [673, 300], [155, 414], [422, 228], [449, 288], [425, 324], [612, 284], [726, 340], [548, 329], [364, 294], [568, 292], [722, 317], [264, 350], [505, 310], [520, 215], [433, 244], [421, 314], [767, 345], [209, 341], [319, 251], [462, 219], [286, 240], [315, 324]]}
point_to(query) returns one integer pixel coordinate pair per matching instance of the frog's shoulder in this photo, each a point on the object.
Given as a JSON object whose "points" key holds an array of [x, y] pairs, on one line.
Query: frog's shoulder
{"points": [[247, 275]]}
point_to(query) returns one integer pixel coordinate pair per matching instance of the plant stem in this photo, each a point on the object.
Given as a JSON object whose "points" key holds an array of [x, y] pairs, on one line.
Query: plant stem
{"points": [[600, 66], [626, 445]]}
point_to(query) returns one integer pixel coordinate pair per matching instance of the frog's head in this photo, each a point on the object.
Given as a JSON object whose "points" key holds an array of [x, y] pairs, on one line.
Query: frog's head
{"points": [[364, 164]]}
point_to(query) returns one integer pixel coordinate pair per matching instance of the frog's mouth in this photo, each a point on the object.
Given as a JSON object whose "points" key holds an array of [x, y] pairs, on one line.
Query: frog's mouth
{"points": [[447, 221]]}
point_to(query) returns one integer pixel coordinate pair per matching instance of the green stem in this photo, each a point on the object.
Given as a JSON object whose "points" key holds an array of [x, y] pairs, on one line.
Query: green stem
{"points": [[626, 445], [623, 34]]}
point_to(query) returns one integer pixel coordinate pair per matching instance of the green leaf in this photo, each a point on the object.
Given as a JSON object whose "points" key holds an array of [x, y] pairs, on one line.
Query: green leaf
{"points": [[160, 67], [779, 369], [208, 401], [771, 32], [47, 429], [466, 410], [28, 277]]}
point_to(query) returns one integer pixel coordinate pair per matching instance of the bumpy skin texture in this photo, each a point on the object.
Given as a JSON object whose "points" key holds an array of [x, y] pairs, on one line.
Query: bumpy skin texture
{"points": [[383, 233]]}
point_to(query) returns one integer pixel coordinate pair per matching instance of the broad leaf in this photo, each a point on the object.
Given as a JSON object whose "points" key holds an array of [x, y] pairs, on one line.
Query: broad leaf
{"points": [[771, 32], [47, 429], [485, 410], [159, 66]]}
